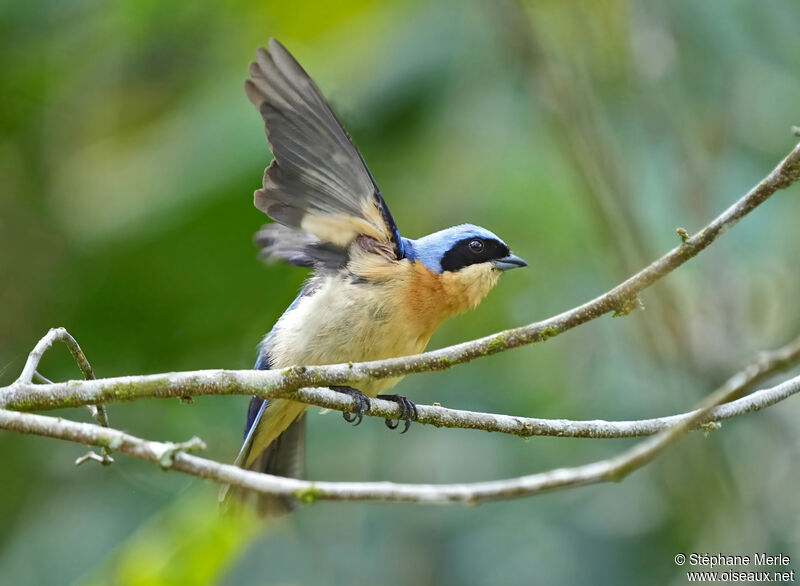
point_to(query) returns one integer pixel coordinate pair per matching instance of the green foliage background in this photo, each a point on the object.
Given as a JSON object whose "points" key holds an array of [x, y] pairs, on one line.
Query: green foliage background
{"points": [[583, 133]]}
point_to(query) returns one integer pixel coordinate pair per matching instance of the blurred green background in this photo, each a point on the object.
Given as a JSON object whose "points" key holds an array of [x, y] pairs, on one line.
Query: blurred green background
{"points": [[584, 133]]}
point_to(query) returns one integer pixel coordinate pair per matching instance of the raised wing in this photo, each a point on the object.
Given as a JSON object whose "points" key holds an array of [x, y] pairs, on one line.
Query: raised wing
{"points": [[318, 181]]}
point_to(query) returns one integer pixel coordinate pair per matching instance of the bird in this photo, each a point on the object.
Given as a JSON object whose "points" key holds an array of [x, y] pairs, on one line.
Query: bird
{"points": [[373, 293]]}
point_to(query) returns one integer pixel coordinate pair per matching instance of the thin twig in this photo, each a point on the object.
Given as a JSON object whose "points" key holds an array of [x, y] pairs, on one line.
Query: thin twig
{"points": [[29, 372], [98, 412], [40, 378], [54, 335]]}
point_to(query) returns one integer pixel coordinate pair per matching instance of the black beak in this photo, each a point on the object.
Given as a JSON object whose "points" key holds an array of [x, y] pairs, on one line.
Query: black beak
{"points": [[509, 262]]}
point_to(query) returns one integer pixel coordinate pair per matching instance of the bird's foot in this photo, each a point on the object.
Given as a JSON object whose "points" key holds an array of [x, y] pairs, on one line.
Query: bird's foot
{"points": [[361, 404], [408, 411]]}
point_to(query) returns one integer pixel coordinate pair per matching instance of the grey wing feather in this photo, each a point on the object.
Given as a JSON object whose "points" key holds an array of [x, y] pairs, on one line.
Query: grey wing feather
{"points": [[317, 171], [294, 247]]}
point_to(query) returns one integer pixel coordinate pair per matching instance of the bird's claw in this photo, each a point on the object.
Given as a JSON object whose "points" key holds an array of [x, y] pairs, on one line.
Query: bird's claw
{"points": [[408, 411], [361, 404]]}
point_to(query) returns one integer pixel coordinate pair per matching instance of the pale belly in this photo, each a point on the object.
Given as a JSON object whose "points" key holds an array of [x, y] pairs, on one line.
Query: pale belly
{"points": [[346, 322]]}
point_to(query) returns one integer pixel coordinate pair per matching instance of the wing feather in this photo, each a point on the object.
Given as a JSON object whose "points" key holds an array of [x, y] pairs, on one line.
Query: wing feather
{"points": [[318, 182]]}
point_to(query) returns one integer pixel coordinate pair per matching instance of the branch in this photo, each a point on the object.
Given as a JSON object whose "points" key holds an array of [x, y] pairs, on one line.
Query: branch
{"points": [[29, 372], [765, 365], [35, 357], [23, 395], [173, 456]]}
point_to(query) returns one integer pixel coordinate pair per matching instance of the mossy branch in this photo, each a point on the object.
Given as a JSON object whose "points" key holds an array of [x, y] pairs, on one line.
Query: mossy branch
{"points": [[294, 383], [172, 456]]}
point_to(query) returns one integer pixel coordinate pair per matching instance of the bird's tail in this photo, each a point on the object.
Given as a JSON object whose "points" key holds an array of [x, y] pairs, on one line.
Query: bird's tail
{"points": [[264, 451]]}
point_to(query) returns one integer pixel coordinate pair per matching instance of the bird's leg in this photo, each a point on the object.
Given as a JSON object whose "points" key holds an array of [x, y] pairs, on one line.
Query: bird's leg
{"points": [[361, 404], [408, 411]]}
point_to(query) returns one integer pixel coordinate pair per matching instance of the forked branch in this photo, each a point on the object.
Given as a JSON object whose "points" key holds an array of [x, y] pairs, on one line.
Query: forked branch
{"points": [[294, 383]]}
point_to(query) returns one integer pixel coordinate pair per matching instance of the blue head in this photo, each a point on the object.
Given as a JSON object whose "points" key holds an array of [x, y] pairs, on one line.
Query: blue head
{"points": [[455, 248]]}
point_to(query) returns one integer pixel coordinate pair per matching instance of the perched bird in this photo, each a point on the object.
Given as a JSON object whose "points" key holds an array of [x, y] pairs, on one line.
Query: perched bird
{"points": [[373, 294]]}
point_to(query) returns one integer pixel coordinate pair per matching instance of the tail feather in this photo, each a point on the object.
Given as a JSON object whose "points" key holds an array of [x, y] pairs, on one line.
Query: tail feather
{"points": [[283, 455]]}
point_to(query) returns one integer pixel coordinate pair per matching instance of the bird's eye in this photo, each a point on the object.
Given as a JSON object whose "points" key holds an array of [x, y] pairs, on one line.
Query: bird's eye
{"points": [[476, 246]]}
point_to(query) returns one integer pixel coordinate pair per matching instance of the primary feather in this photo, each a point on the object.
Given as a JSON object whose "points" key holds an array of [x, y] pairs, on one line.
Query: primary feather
{"points": [[318, 181]]}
